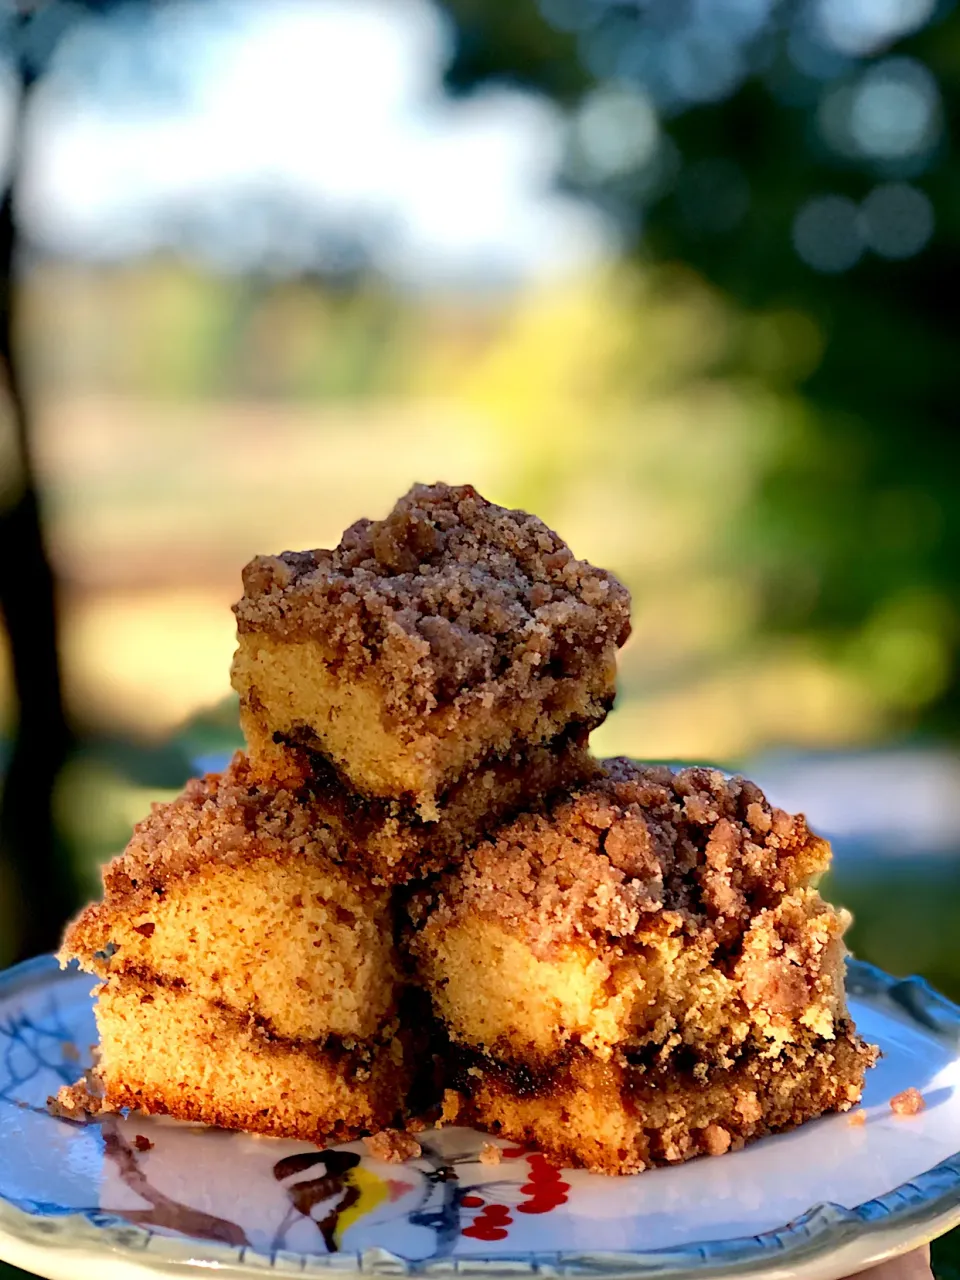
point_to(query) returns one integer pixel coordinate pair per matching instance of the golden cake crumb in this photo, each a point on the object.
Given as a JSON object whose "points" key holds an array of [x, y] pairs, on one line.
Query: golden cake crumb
{"points": [[450, 1109], [490, 1153], [907, 1103], [251, 980], [857, 1118], [142, 1143], [234, 890], [641, 972], [392, 1146], [621, 1118], [177, 1054], [716, 1140]]}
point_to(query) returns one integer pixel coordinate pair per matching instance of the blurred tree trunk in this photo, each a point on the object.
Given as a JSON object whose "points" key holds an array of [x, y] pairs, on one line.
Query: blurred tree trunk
{"points": [[34, 869]]}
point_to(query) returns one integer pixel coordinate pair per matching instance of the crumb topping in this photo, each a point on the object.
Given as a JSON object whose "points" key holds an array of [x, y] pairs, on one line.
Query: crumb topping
{"points": [[490, 1153], [226, 817], [907, 1103], [448, 593], [694, 846], [392, 1146]]}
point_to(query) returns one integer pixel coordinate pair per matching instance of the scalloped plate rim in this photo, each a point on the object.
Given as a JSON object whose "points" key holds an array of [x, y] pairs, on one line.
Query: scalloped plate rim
{"points": [[827, 1241]]}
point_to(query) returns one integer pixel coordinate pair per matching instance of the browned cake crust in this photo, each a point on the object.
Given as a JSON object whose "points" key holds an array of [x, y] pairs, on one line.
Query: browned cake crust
{"points": [[619, 1117], [457, 627], [636, 842]]}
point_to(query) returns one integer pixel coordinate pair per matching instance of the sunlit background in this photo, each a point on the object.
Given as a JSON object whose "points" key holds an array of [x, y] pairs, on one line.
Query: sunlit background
{"points": [[681, 276]]}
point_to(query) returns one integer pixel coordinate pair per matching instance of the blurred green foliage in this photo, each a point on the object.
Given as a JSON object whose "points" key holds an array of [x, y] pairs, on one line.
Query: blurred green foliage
{"points": [[857, 518]]}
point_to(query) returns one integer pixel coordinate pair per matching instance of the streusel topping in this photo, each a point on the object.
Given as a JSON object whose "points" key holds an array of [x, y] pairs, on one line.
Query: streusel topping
{"points": [[447, 593], [221, 817], [693, 845]]}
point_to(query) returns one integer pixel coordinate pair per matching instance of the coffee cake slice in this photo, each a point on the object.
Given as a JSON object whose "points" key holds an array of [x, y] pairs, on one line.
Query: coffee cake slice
{"points": [[425, 644], [654, 938], [166, 1051], [230, 928]]}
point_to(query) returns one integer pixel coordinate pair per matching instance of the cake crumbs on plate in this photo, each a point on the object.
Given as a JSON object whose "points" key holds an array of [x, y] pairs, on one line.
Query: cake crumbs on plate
{"points": [[716, 1140], [450, 1108], [415, 1125], [75, 1102], [142, 1143], [490, 1153], [857, 1118], [907, 1103], [83, 1101], [392, 1146]]}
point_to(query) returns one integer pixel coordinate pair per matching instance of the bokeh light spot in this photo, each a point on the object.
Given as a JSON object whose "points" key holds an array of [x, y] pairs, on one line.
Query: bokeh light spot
{"points": [[811, 54], [735, 19], [826, 234], [860, 27], [601, 45], [894, 110], [616, 131], [702, 65], [897, 220]]}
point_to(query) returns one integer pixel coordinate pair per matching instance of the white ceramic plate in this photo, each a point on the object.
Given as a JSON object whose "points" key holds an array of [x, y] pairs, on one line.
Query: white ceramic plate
{"points": [[819, 1203]]}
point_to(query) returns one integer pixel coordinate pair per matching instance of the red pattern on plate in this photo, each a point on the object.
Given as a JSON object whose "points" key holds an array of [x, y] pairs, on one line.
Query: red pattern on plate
{"points": [[545, 1190]]}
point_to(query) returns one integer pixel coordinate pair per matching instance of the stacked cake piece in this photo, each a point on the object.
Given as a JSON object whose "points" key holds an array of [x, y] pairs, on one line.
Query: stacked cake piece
{"points": [[625, 964], [433, 675], [250, 978], [640, 974], [438, 670]]}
